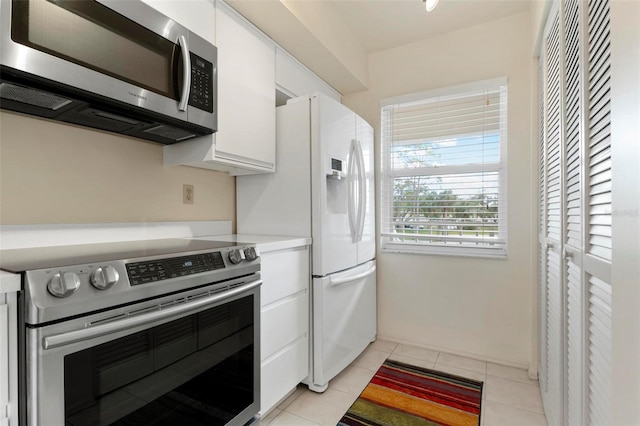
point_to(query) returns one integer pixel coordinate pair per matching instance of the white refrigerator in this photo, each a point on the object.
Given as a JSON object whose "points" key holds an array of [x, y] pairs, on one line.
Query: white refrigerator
{"points": [[323, 188]]}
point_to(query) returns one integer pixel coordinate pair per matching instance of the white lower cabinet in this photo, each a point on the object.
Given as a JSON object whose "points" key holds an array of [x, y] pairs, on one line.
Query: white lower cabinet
{"points": [[281, 373], [9, 285], [284, 342], [284, 322]]}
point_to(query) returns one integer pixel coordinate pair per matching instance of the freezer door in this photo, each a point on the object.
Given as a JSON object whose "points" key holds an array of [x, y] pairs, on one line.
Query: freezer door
{"points": [[344, 321], [367, 238], [334, 172]]}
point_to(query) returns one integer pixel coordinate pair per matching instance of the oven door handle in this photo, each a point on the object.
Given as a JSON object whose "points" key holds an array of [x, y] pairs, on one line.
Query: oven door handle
{"points": [[62, 339]]}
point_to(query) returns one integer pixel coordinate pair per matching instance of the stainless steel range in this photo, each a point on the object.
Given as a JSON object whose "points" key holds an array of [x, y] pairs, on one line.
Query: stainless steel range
{"points": [[159, 332]]}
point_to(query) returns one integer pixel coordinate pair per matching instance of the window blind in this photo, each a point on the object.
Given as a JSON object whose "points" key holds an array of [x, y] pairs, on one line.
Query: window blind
{"points": [[442, 169]]}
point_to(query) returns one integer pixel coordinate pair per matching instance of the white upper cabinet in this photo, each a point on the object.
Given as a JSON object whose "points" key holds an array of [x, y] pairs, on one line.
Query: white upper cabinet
{"points": [[245, 140], [294, 79], [197, 17], [246, 92]]}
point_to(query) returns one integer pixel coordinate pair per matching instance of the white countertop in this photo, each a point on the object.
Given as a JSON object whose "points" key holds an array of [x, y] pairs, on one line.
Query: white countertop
{"points": [[265, 243], [9, 282]]}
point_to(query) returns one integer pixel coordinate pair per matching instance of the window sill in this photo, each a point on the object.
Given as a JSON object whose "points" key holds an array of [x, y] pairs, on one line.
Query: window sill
{"points": [[499, 254]]}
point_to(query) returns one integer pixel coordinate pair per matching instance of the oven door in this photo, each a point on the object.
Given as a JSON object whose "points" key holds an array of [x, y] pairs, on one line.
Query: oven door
{"points": [[191, 358]]}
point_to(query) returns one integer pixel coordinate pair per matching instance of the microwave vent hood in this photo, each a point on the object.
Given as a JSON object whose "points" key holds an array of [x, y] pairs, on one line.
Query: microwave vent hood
{"points": [[117, 66], [61, 104]]}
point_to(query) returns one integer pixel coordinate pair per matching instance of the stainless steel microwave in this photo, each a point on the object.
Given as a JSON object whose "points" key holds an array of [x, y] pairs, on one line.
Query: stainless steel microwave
{"points": [[119, 66]]}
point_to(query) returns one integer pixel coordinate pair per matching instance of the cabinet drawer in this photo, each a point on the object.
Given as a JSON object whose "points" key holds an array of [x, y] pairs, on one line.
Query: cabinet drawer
{"points": [[284, 272], [283, 322], [281, 374]]}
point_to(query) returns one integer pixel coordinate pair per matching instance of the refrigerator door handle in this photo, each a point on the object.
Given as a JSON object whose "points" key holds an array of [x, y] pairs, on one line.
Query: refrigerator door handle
{"points": [[362, 202], [352, 278], [350, 192]]}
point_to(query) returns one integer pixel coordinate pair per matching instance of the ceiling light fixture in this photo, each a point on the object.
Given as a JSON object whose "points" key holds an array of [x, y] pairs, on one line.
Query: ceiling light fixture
{"points": [[430, 4]]}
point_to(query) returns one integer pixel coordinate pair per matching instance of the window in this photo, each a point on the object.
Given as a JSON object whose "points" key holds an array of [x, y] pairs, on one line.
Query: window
{"points": [[443, 171]]}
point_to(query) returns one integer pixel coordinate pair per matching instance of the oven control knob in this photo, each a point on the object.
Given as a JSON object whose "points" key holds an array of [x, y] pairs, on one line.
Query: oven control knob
{"points": [[104, 277], [236, 256], [63, 284], [251, 253]]}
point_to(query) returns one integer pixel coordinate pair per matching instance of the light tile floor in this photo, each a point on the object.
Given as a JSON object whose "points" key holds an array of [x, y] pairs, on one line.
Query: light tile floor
{"points": [[509, 397]]}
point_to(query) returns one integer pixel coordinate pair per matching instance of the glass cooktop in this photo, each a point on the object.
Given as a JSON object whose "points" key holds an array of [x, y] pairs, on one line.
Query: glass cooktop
{"points": [[28, 259]]}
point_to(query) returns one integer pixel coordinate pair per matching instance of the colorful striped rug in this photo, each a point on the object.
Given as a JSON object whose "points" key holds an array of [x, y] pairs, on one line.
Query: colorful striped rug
{"points": [[403, 395]]}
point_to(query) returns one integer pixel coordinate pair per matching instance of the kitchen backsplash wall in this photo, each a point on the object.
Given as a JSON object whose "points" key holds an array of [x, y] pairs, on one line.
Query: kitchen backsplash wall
{"points": [[57, 173]]}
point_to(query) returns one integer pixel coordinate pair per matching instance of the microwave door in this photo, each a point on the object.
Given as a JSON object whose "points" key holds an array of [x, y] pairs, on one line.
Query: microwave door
{"points": [[124, 51], [193, 64]]}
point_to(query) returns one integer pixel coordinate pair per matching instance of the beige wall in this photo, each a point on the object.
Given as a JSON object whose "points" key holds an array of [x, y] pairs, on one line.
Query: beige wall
{"points": [[478, 307], [59, 173], [539, 12]]}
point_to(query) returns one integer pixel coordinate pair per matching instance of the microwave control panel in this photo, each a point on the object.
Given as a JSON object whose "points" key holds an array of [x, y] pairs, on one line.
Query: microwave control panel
{"points": [[201, 95]]}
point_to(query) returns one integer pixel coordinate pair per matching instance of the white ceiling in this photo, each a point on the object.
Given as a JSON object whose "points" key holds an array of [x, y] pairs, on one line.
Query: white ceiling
{"points": [[334, 37], [385, 24]]}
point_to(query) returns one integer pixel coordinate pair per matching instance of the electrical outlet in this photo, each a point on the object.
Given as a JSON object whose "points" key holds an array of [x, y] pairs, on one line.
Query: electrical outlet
{"points": [[187, 194]]}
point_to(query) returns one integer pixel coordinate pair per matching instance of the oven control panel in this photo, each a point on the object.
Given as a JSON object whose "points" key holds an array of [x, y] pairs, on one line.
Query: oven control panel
{"points": [[53, 293], [164, 269]]}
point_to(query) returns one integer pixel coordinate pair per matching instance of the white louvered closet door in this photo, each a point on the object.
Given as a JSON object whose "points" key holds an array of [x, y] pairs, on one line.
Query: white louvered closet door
{"points": [[597, 259], [542, 248], [553, 391], [575, 215], [572, 144]]}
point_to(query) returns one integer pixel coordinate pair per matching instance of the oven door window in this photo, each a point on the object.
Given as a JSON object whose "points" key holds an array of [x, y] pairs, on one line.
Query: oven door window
{"points": [[197, 370]]}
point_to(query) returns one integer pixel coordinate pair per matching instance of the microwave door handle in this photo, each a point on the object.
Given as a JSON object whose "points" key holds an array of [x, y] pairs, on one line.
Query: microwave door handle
{"points": [[186, 71]]}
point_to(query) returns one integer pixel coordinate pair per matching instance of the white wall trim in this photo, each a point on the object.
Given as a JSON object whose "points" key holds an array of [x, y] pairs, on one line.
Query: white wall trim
{"points": [[44, 235], [501, 361]]}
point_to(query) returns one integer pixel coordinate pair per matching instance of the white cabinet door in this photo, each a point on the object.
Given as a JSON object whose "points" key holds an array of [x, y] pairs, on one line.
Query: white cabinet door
{"points": [[198, 17], [4, 360], [245, 142], [8, 353], [246, 92]]}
